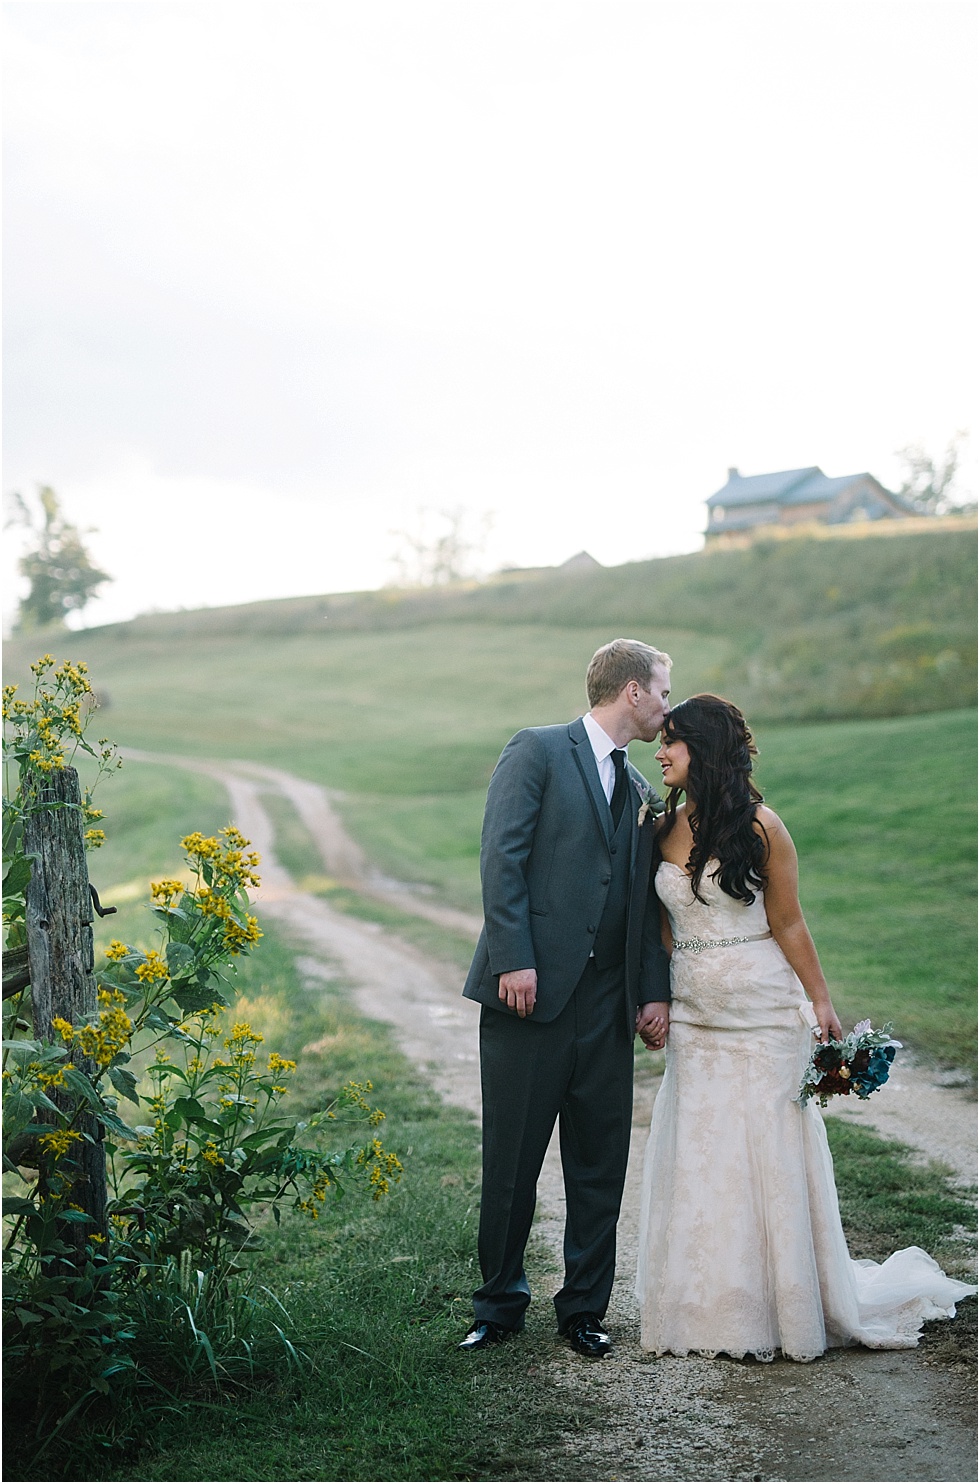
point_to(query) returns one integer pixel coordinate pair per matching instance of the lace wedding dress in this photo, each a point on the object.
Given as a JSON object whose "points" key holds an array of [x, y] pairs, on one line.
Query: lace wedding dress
{"points": [[741, 1246]]}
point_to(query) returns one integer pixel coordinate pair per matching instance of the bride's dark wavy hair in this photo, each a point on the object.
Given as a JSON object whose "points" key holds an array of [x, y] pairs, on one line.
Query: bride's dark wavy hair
{"points": [[721, 795]]}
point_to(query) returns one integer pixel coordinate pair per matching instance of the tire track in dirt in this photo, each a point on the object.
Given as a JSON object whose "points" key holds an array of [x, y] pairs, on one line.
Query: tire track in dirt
{"points": [[852, 1415]]}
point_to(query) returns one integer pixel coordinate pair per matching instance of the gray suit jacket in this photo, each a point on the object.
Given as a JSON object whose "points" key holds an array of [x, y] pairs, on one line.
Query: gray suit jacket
{"points": [[545, 867]]}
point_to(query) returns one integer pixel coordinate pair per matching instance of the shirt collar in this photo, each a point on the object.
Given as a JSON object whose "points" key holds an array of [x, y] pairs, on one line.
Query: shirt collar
{"points": [[602, 743]]}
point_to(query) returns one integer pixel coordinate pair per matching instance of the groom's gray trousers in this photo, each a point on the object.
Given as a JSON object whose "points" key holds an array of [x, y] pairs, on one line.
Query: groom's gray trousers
{"points": [[578, 1069]]}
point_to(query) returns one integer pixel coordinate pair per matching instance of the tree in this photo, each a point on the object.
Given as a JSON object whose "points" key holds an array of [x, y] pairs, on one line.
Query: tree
{"points": [[63, 578], [929, 486], [428, 558]]}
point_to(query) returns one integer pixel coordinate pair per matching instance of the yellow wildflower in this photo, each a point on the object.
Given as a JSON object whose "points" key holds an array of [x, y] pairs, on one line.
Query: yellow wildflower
{"points": [[165, 891], [279, 1063], [212, 903], [204, 847], [64, 1028], [59, 1141], [110, 1033], [152, 968], [95, 838], [211, 1156], [242, 1031], [236, 937], [385, 1167], [116, 950]]}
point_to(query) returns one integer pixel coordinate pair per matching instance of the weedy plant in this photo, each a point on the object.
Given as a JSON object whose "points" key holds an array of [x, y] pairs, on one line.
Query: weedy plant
{"points": [[158, 1285]]}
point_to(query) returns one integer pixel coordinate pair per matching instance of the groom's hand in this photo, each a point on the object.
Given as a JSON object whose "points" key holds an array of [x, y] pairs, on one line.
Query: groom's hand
{"points": [[652, 1023], [519, 990]]}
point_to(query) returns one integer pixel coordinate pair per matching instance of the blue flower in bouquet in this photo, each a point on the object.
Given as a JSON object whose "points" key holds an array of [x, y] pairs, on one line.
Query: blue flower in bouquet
{"points": [[875, 1075]]}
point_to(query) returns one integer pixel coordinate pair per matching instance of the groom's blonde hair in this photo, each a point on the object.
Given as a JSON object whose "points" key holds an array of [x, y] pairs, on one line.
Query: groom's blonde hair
{"points": [[619, 662]]}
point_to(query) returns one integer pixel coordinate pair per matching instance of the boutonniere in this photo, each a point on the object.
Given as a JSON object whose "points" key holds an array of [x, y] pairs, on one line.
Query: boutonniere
{"points": [[650, 801]]}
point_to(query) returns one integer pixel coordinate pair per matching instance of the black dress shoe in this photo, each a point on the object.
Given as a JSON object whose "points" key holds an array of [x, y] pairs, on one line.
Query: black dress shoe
{"points": [[588, 1336], [484, 1334]]}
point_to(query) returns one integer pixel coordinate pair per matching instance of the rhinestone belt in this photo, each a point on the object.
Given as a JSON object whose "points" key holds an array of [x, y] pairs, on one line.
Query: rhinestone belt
{"points": [[698, 945]]}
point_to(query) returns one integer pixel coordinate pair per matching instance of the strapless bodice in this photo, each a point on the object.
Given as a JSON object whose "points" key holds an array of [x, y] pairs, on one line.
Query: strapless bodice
{"points": [[740, 986], [718, 916]]}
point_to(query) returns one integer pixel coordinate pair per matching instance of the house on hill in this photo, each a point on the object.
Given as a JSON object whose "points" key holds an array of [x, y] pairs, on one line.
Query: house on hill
{"points": [[796, 497]]}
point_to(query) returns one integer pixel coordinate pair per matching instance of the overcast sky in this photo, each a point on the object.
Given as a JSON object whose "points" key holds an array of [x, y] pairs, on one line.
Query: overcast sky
{"points": [[279, 274]]}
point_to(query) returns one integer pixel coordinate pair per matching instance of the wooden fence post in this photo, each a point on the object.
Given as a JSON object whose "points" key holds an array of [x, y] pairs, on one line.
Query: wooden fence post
{"points": [[62, 957]]}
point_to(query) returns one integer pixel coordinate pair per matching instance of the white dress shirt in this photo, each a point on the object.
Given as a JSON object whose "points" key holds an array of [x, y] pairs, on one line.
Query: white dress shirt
{"points": [[603, 746]]}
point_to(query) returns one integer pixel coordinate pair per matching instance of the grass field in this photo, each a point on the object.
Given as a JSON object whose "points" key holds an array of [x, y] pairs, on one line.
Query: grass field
{"points": [[378, 1293]]}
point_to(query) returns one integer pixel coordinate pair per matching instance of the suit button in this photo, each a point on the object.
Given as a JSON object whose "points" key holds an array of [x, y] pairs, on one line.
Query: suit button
{"points": [[590, 929], [612, 849], [605, 881]]}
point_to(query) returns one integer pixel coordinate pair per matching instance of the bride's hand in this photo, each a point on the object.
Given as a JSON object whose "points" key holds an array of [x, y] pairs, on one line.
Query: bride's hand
{"points": [[830, 1026]]}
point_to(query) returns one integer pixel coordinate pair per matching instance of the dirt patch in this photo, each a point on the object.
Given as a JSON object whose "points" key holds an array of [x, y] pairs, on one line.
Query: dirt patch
{"points": [[854, 1414]]}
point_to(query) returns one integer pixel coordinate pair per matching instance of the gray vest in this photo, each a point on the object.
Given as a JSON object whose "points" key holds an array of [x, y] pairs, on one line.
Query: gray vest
{"points": [[610, 940]]}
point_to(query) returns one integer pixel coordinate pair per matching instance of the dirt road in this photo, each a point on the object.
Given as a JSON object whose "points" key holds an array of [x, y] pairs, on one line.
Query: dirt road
{"points": [[852, 1415]]}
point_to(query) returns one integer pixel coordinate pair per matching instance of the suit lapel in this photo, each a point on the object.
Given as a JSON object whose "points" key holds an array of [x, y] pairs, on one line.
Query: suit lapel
{"points": [[585, 759], [633, 805]]}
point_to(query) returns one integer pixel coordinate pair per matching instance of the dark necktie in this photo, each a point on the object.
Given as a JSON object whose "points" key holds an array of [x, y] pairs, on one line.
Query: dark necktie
{"points": [[620, 789]]}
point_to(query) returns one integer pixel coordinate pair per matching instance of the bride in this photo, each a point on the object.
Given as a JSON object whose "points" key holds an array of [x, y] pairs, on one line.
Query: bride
{"points": [[741, 1245]]}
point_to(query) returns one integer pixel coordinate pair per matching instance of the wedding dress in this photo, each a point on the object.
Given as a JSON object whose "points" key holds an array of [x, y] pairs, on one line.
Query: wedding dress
{"points": [[741, 1245]]}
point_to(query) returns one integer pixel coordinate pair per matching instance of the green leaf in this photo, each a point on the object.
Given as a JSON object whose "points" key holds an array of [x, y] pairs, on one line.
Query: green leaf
{"points": [[82, 1087], [181, 960], [17, 1205], [194, 996], [115, 1123], [17, 876], [18, 1110], [23, 1050], [125, 1084]]}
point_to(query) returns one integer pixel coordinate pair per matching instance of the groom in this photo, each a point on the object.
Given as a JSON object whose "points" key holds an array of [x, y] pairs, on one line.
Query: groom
{"points": [[568, 967]]}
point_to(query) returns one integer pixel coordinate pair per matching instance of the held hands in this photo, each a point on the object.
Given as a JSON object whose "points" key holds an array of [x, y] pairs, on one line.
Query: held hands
{"points": [[652, 1022], [519, 990]]}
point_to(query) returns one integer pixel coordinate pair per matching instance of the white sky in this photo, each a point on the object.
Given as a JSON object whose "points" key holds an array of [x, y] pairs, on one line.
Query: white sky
{"points": [[280, 273]]}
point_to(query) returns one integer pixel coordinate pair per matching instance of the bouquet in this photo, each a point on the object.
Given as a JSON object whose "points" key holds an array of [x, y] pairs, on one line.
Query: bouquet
{"points": [[859, 1064]]}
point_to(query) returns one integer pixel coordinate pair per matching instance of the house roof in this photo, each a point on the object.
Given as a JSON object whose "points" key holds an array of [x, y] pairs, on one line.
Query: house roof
{"points": [[789, 487], [819, 487], [751, 489]]}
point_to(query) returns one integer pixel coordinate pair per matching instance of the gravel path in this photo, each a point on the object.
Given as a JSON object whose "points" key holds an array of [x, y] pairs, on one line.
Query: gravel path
{"points": [[882, 1415]]}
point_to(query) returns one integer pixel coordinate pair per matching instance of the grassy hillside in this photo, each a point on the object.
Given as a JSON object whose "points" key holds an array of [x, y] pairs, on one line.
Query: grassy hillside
{"points": [[797, 629]]}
